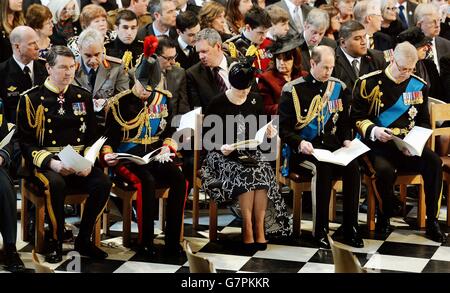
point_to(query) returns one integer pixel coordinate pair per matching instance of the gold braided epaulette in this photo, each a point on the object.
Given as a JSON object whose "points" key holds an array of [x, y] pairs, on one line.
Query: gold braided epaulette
{"points": [[419, 78], [115, 99], [164, 92], [373, 73]]}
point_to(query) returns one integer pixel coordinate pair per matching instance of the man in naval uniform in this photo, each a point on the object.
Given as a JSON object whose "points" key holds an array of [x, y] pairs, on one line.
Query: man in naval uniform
{"points": [[50, 117], [389, 103], [314, 114]]}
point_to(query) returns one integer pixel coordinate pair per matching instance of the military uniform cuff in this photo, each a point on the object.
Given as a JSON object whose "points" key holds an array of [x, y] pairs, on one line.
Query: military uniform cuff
{"points": [[41, 158], [171, 143]]}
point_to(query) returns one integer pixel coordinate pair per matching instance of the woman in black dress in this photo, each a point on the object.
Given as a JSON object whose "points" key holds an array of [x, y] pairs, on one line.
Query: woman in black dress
{"points": [[238, 172]]}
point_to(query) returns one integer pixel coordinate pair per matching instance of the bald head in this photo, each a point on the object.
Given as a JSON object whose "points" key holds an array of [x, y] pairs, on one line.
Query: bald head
{"points": [[322, 62], [24, 43]]}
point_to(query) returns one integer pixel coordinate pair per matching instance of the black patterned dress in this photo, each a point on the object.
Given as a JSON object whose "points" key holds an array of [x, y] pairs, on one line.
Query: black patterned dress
{"points": [[225, 177]]}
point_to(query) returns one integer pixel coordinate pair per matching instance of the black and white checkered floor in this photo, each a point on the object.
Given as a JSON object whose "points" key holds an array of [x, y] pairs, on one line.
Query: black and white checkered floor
{"points": [[403, 250]]}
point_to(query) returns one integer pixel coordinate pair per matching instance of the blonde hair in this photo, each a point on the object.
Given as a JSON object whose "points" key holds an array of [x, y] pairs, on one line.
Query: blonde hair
{"points": [[18, 19], [56, 7], [210, 11]]}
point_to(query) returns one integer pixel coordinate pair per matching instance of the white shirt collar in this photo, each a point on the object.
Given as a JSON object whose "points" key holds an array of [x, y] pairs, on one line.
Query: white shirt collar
{"points": [[404, 4], [223, 64], [182, 43], [22, 66], [199, 2], [158, 33], [183, 9], [350, 58], [291, 6]]}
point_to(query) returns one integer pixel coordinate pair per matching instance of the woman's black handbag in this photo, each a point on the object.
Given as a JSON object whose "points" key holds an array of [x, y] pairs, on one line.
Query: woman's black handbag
{"points": [[247, 161]]}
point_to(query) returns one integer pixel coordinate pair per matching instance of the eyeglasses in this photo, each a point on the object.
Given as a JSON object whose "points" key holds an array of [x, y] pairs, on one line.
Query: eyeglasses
{"points": [[404, 69], [391, 8], [169, 58]]}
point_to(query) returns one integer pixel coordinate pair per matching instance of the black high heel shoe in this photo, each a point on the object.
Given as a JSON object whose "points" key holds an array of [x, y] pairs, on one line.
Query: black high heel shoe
{"points": [[261, 246]]}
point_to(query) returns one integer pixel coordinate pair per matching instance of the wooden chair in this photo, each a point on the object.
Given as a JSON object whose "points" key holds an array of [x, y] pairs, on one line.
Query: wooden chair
{"points": [[403, 180], [344, 260], [30, 192], [441, 112], [299, 184], [128, 194], [38, 267], [197, 264]]}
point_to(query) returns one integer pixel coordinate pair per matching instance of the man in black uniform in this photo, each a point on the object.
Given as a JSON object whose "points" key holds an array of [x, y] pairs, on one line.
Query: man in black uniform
{"points": [[314, 114], [125, 46], [137, 123], [50, 117], [257, 23], [22, 70], [388, 103], [8, 210]]}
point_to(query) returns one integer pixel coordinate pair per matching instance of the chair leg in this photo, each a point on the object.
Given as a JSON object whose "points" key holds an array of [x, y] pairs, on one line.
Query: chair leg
{"points": [[97, 232], [421, 208], [403, 192], [370, 206], [126, 227], [105, 220], [24, 217], [39, 228], [297, 211], [448, 204], [332, 209], [195, 205], [212, 220]]}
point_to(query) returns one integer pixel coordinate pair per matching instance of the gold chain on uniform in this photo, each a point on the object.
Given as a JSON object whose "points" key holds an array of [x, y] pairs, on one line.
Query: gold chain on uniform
{"points": [[315, 109], [374, 97], [127, 59], [38, 117]]}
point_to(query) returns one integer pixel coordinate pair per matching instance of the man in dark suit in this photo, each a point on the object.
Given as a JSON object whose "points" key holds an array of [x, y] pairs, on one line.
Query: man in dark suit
{"points": [[209, 77], [368, 13], [406, 12], [298, 11], [353, 59], [164, 19], [173, 77], [187, 28], [316, 24], [21, 71], [428, 20], [184, 5]]}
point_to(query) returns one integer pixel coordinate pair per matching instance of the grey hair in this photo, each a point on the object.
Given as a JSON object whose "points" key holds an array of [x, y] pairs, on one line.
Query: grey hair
{"points": [[362, 9], [90, 36], [56, 7], [406, 52], [318, 18], [424, 9], [210, 35]]}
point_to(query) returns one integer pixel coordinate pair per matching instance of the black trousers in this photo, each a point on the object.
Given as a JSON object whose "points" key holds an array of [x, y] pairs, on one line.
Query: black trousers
{"points": [[57, 187], [388, 161], [152, 176], [8, 208], [323, 175]]}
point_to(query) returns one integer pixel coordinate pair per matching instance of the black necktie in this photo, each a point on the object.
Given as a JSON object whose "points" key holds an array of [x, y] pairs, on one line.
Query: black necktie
{"points": [[27, 73], [190, 51], [401, 15], [219, 80], [92, 76]]}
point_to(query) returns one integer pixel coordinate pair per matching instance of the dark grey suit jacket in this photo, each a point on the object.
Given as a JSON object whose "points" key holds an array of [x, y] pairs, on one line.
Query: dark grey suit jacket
{"points": [[306, 57], [176, 84], [202, 86], [305, 10], [442, 47]]}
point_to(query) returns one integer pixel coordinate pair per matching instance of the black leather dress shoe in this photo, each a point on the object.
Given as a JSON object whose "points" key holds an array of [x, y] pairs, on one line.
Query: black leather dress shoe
{"points": [[434, 232], [353, 238], [383, 225], [174, 250], [261, 246], [147, 250], [87, 248], [54, 251], [12, 262], [322, 242]]}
